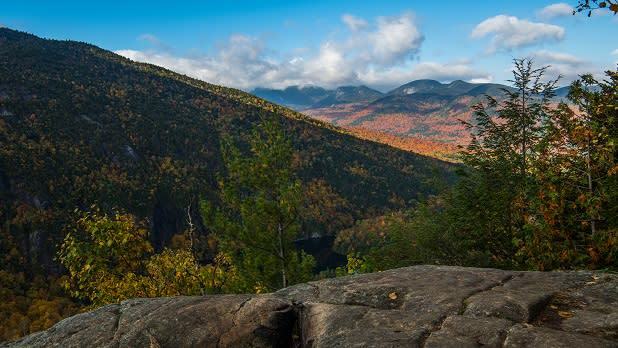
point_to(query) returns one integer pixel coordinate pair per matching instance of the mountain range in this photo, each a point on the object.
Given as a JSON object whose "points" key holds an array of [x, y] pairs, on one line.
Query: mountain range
{"points": [[81, 126], [307, 97], [424, 116]]}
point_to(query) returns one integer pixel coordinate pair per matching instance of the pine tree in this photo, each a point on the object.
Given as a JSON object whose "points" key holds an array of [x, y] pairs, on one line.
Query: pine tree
{"points": [[261, 216]]}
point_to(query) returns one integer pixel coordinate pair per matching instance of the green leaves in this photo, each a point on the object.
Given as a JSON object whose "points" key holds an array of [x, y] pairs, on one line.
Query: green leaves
{"points": [[260, 218]]}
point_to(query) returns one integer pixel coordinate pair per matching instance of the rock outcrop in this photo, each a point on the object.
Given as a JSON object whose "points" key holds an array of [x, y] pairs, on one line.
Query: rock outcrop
{"points": [[421, 306]]}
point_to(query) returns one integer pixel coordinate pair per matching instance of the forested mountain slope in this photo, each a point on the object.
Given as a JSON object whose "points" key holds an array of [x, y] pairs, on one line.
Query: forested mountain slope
{"points": [[83, 127]]}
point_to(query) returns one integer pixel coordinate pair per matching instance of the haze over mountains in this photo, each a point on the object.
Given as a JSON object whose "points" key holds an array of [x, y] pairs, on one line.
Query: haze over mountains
{"points": [[423, 116]]}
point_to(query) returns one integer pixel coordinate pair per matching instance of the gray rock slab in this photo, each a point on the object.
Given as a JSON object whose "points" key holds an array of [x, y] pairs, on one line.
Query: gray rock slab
{"points": [[209, 321], [591, 308], [522, 297], [523, 335], [460, 332], [420, 306], [95, 328]]}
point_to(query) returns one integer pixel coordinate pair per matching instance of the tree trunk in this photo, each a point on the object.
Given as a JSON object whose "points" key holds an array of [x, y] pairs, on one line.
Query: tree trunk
{"points": [[284, 278], [592, 219]]}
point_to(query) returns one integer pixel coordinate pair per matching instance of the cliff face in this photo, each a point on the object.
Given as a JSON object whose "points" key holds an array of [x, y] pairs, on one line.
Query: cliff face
{"points": [[421, 306]]}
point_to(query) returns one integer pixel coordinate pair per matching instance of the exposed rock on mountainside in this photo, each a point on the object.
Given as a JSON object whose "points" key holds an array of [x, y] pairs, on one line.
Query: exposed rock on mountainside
{"points": [[421, 306]]}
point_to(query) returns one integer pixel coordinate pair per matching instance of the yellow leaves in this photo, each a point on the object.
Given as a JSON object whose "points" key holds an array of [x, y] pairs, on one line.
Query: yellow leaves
{"points": [[565, 314], [392, 296], [260, 288], [358, 170]]}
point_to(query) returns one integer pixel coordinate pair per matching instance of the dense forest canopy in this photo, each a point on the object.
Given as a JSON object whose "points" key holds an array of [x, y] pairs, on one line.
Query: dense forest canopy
{"points": [[120, 179], [539, 189], [84, 130]]}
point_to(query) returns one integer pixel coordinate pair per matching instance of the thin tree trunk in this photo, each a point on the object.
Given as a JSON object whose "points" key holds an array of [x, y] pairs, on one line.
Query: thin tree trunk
{"points": [[592, 219], [524, 145], [284, 278]]}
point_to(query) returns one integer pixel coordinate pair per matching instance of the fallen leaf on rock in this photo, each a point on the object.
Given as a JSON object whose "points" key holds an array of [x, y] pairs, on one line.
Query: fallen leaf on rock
{"points": [[565, 314]]}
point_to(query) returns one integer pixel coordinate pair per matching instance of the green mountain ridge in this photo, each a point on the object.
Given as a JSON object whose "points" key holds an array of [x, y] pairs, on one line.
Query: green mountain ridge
{"points": [[83, 126]]}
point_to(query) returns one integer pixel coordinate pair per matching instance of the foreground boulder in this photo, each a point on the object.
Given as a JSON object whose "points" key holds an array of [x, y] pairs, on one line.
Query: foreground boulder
{"points": [[421, 306]]}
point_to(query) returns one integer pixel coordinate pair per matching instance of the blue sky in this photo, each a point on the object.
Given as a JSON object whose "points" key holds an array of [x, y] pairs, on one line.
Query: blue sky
{"points": [[381, 44]]}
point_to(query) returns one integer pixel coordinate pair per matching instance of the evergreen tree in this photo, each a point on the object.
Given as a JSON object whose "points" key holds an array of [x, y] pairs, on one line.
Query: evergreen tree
{"points": [[260, 219], [576, 173], [506, 136], [481, 220]]}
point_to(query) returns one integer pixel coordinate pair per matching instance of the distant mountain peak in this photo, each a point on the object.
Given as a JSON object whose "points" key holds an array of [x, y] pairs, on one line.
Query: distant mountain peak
{"points": [[301, 98]]}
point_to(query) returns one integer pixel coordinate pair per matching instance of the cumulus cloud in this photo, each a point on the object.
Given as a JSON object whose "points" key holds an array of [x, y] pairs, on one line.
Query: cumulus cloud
{"points": [[555, 10], [353, 23], [241, 62], [395, 39], [511, 32], [450, 71], [369, 48], [329, 67], [565, 58], [380, 54], [564, 64]]}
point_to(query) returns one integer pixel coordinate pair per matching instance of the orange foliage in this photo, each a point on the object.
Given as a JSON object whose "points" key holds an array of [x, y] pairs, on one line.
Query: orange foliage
{"points": [[418, 145]]}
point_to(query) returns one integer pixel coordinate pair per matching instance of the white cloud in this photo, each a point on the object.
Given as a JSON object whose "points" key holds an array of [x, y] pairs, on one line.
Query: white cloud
{"points": [[443, 72], [329, 67], [446, 72], [395, 39], [487, 79], [555, 10], [355, 24], [511, 32], [564, 64], [381, 47], [615, 52], [241, 62], [245, 66], [379, 54], [563, 58]]}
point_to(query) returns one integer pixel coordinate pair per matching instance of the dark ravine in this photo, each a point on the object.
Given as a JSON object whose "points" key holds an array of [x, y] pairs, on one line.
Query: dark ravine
{"points": [[420, 306]]}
